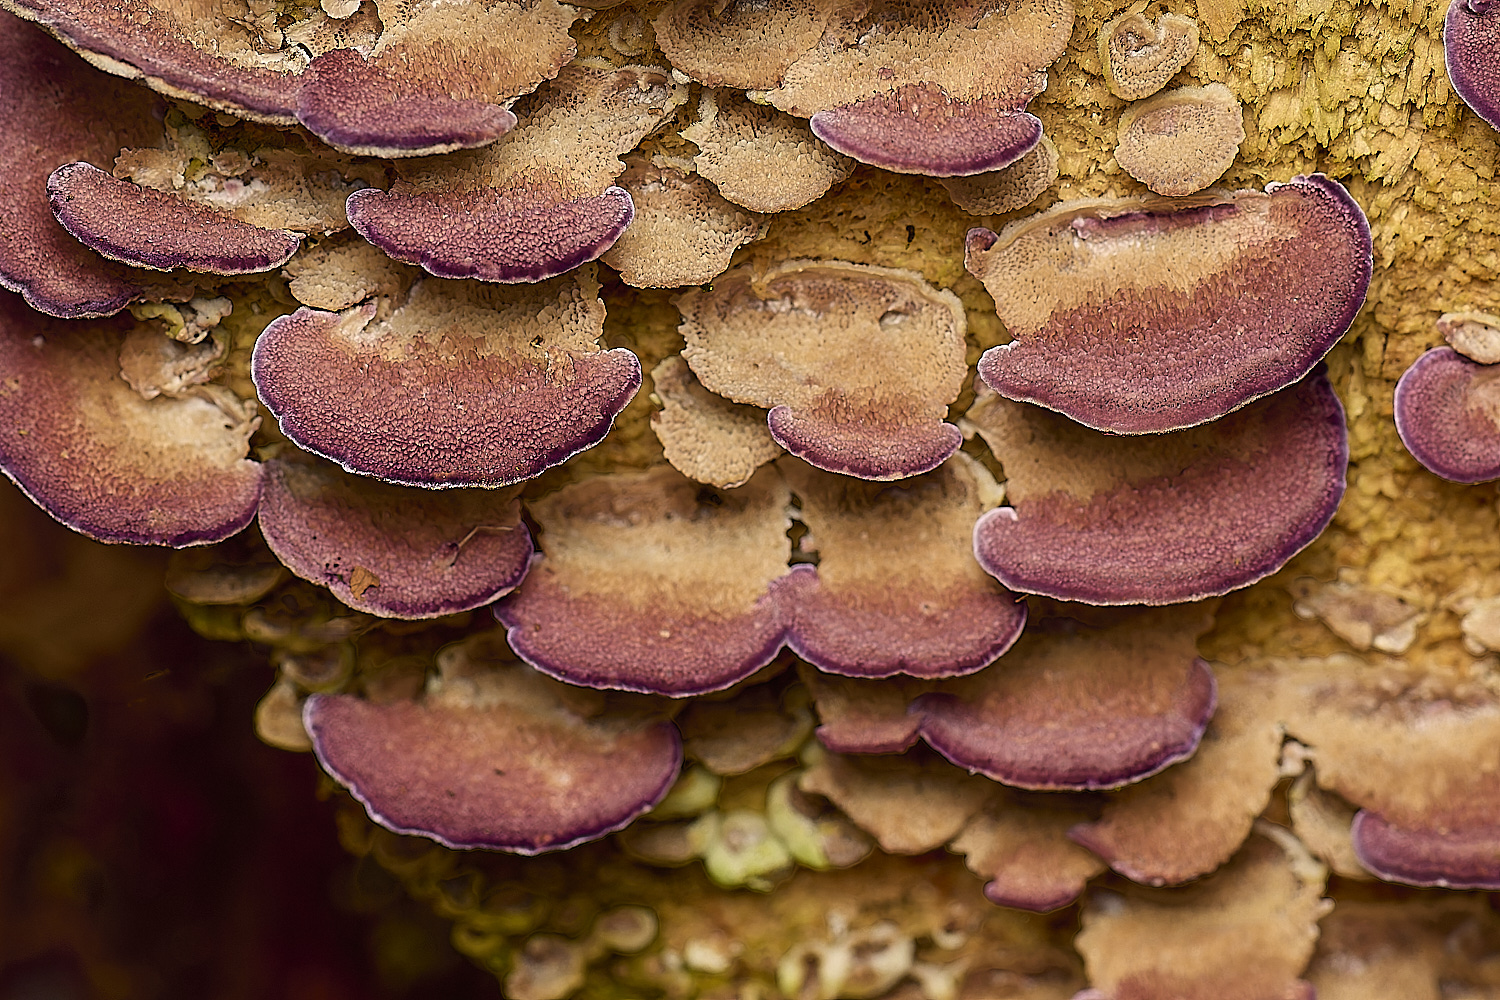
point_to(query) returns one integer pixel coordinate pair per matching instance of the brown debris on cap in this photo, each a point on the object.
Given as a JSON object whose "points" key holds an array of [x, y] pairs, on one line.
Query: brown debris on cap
{"points": [[89, 450], [343, 272], [1140, 57], [706, 437], [1159, 520], [1020, 845], [537, 204], [391, 550], [1448, 416], [1475, 335], [1180, 142], [683, 233], [650, 582], [461, 384], [759, 157], [1245, 933], [896, 589], [1171, 313], [745, 44], [77, 114], [1005, 190], [147, 228], [910, 804], [495, 756], [857, 363]]}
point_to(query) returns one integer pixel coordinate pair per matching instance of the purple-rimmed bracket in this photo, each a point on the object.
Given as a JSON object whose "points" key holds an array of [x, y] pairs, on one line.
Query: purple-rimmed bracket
{"points": [[1166, 518], [650, 582], [896, 589], [1019, 844], [1171, 313], [103, 459], [1181, 141], [495, 756], [761, 158], [537, 204], [1140, 57], [1008, 189], [1471, 39], [1247, 931], [57, 108], [459, 385], [706, 437], [391, 550], [857, 363], [683, 232], [1448, 416]]}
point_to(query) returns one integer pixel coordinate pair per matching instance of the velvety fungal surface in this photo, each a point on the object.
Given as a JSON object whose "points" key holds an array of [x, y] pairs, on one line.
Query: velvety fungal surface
{"points": [[1161, 519], [1448, 415], [704, 436], [1020, 847], [494, 756], [1181, 141], [1471, 37], [390, 550], [1465, 858], [1140, 57], [1171, 313], [1001, 191], [462, 385]]}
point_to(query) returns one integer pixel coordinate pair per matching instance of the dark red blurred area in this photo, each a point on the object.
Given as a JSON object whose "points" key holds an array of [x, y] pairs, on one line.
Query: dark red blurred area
{"points": [[150, 846]]}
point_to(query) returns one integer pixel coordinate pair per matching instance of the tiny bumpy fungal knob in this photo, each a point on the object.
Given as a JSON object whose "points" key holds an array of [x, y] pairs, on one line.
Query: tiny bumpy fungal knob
{"points": [[1139, 57], [1181, 141]]}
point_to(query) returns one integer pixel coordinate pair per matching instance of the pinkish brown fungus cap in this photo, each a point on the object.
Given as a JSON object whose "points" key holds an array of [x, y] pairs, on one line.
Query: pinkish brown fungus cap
{"points": [[494, 757], [1471, 37], [1019, 844], [537, 204], [706, 437], [391, 550], [461, 385], [1162, 519], [1448, 415], [743, 44], [896, 589], [1008, 189], [1433, 856], [147, 228], [1171, 313], [1181, 141], [856, 363], [653, 583], [96, 455], [1140, 57]]}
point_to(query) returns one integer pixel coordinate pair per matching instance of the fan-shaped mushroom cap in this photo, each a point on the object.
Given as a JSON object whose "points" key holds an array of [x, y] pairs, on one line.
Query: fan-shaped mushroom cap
{"points": [[909, 804], [1471, 37], [105, 461], [147, 228], [858, 363], [537, 204], [391, 550], [1139, 57], [1448, 415], [759, 157], [1244, 932], [1009, 188], [896, 588], [460, 385], [1020, 845], [1181, 141], [57, 109], [706, 437], [1171, 314], [1416, 946], [495, 756], [745, 44], [344, 272], [650, 582], [683, 232], [1158, 520], [1475, 335]]}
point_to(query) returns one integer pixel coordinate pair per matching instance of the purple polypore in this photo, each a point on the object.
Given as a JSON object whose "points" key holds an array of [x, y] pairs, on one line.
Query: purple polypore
{"points": [[1448, 415], [495, 756], [1160, 519], [460, 385], [1171, 313], [653, 583], [1471, 39]]}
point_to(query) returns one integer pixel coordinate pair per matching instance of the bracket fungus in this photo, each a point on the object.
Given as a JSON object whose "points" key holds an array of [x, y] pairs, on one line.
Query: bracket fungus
{"points": [[1007, 189], [706, 437], [1171, 313], [1181, 141], [463, 385], [494, 756], [1448, 415], [1165, 518], [857, 363], [1140, 57], [537, 204], [1471, 37]]}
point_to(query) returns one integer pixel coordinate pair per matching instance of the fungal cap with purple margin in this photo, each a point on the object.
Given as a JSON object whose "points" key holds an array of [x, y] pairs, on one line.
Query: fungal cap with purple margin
{"points": [[495, 757], [857, 363], [1181, 141], [1448, 415], [143, 227], [393, 551], [1162, 519], [1173, 312], [1139, 57], [1463, 858], [1471, 37], [650, 582]]}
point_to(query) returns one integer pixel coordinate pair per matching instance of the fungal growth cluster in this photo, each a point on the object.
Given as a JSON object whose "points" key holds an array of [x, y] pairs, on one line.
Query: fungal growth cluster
{"points": [[770, 498]]}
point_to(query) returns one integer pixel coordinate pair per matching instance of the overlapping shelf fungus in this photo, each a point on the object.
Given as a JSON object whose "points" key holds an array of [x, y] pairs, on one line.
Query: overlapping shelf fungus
{"points": [[812, 498]]}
